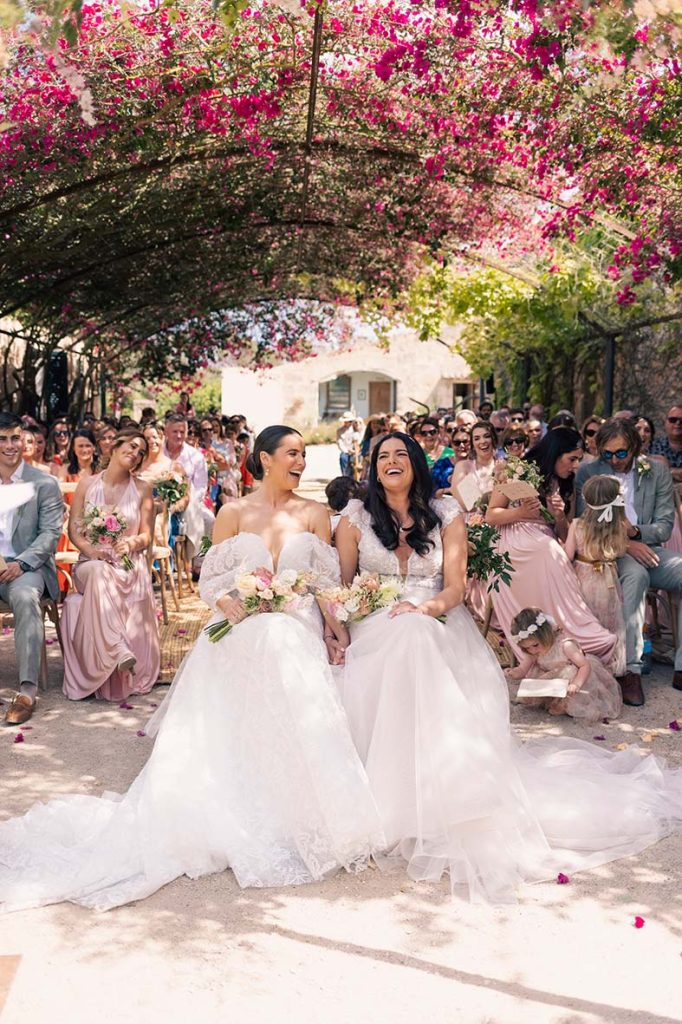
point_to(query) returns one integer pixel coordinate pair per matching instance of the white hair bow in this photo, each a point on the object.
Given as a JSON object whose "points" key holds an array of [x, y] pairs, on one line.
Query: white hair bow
{"points": [[607, 510]]}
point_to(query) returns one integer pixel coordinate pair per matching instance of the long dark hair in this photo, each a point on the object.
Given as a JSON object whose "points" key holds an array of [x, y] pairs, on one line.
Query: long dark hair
{"points": [[385, 522], [268, 441], [545, 453], [73, 466]]}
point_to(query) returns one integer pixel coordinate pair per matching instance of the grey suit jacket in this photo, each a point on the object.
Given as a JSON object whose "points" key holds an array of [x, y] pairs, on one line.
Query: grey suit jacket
{"points": [[654, 498], [38, 526]]}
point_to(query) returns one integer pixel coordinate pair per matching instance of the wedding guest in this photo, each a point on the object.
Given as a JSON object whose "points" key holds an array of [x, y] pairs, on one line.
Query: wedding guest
{"points": [[647, 432], [517, 416], [588, 432], [537, 412], [81, 457], [534, 432], [482, 465], [441, 474], [671, 447], [58, 444], [650, 510], [429, 439], [105, 439], [33, 443], [156, 463], [466, 418], [184, 407], [347, 441], [339, 492], [514, 441], [485, 410], [564, 418], [40, 445], [109, 628], [543, 576], [550, 653], [28, 540], [197, 520], [595, 542]]}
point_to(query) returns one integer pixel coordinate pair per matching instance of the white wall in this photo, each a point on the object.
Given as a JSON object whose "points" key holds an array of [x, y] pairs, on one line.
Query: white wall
{"points": [[257, 395]]}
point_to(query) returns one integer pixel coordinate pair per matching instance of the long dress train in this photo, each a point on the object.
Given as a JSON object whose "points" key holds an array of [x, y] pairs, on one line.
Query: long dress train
{"points": [[428, 707], [253, 769]]}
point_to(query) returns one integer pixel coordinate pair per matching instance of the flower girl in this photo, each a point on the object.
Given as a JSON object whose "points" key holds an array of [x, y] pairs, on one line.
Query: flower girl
{"points": [[594, 542], [592, 691]]}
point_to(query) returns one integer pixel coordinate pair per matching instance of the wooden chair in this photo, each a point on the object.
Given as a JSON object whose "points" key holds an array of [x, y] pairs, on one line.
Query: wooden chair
{"points": [[50, 608], [159, 560], [65, 561], [183, 565]]}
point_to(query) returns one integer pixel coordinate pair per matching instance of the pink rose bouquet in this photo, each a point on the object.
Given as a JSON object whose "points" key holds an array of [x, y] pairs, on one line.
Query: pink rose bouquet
{"points": [[103, 527], [264, 591]]}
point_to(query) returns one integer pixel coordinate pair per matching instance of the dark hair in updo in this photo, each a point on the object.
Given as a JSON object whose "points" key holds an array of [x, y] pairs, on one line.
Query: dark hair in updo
{"points": [[385, 522], [268, 441]]}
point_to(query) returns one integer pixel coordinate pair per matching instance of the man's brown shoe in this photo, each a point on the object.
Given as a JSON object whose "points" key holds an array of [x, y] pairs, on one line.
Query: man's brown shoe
{"points": [[20, 710], [631, 688], [677, 680]]}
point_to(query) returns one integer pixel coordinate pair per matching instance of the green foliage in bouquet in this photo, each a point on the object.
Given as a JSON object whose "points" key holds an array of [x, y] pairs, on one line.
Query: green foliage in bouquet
{"points": [[485, 562]]}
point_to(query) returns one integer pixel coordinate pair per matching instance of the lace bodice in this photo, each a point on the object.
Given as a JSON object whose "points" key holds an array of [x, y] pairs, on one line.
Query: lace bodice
{"points": [[422, 570], [303, 552]]}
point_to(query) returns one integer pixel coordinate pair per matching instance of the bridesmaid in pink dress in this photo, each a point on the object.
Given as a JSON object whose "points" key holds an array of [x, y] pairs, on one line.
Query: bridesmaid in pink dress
{"points": [[110, 630], [543, 575]]}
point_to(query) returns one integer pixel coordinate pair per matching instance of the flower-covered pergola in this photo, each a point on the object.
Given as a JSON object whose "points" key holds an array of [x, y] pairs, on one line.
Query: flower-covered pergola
{"points": [[166, 164]]}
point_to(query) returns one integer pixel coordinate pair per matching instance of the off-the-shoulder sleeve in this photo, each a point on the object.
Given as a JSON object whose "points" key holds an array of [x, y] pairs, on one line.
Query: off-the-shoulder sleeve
{"points": [[447, 509], [354, 512], [218, 572], [325, 564]]}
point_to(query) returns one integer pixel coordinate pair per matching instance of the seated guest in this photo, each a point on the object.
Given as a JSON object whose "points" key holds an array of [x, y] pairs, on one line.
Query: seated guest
{"points": [[81, 457], [671, 447], [109, 628], [534, 432], [650, 510], [339, 491], [543, 575], [588, 432], [58, 444], [429, 439], [33, 448], [514, 441], [105, 439], [481, 463], [441, 473], [28, 540], [564, 418], [517, 416]]}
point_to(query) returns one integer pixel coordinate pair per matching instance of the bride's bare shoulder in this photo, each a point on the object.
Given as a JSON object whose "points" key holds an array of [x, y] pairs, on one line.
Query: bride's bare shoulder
{"points": [[227, 521]]}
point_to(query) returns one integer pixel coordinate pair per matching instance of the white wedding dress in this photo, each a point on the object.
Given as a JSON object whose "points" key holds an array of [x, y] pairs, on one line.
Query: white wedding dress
{"points": [[428, 708], [253, 768]]}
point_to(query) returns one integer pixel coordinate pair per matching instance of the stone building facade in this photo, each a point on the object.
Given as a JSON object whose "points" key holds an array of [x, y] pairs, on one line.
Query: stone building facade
{"points": [[366, 379]]}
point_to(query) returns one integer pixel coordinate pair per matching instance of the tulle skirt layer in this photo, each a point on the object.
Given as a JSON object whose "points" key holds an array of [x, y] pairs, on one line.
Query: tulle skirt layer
{"points": [[253, 768], [429, 710]]}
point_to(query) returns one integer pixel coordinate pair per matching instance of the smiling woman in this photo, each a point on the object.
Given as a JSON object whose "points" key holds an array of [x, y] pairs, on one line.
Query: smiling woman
{"points": [[111, 642]]}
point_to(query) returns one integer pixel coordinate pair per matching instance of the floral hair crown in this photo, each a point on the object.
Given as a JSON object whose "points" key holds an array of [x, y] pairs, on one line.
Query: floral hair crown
{"points": [[526, 634], [607, 510]]}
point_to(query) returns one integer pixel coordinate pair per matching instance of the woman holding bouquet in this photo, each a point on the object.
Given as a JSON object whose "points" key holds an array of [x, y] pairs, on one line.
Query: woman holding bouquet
{"points": [[428, 707], [530, 531], [109, 628], [254, 767]]}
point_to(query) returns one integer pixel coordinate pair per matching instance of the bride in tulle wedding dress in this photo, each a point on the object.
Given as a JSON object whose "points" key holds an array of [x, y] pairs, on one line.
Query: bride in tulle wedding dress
{"points": [[428, 708], [253, 767]]}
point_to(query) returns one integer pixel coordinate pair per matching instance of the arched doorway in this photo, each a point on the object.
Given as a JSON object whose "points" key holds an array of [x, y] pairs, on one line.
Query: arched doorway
{"points": [[366, 392]]}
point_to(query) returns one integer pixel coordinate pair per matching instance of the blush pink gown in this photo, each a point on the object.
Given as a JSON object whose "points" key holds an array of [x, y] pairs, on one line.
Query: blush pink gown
{"points": [[113, 614], [544, 578]]}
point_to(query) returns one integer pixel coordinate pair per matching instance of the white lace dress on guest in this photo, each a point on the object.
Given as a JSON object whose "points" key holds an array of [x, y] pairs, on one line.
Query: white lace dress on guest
{"points": [[253, 768], [428, 707]]}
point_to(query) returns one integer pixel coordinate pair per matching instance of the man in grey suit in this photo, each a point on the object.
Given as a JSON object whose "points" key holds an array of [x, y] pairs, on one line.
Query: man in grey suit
{"points": [[28, 541], [650, 510]]}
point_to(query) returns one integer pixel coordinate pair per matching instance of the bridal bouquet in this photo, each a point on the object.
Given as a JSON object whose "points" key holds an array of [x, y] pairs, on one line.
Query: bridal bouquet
{"points": [[103, 528], [516, 470], [264, 591], [485, 562], [170, 488], [366, 594]]}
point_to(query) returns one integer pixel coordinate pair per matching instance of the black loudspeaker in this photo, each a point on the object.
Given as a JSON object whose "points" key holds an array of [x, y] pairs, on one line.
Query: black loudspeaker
{"points": [[490, 385], [57, 390]]}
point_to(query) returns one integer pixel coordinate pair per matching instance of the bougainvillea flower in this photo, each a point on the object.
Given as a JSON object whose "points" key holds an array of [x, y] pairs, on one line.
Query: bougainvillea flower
{"points": [[639, 922], [674, 725], [19, 738], [140, 732], [562, 879]]}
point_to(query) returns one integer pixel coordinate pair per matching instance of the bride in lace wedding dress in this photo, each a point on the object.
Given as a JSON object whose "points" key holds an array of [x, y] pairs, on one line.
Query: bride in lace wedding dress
{"points": [[428, 708], [253, 767]]}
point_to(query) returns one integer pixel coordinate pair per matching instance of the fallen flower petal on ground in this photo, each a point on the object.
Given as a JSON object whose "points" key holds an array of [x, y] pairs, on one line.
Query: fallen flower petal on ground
{"points": [[675, 725], [19, 738], [599, 737], [639, 922], [140, 732], [562, 879]]}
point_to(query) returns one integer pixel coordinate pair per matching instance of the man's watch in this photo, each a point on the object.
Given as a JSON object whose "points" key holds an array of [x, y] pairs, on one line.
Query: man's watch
{"points": [[24, 566], [637, 535]]}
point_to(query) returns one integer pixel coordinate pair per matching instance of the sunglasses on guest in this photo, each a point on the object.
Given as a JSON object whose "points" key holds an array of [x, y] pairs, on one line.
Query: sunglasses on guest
{"points": [[591, 431], [515, 440], [516, 418], [675, 419], [61, 433], [622, 453], [428, 433]]}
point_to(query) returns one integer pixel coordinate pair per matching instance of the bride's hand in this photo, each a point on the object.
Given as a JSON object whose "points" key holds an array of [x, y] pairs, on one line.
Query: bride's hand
{"points": [[404, 608], [336, 651], [232, 608]]}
